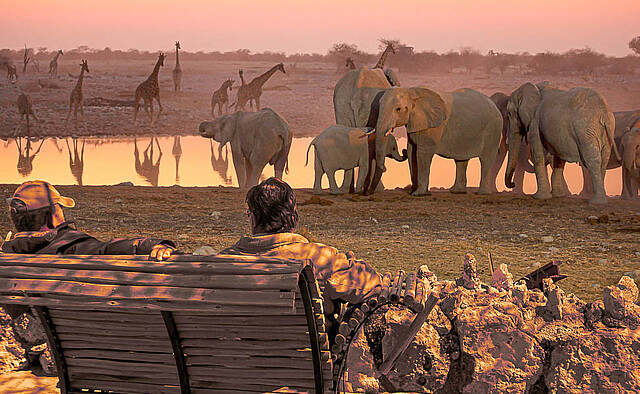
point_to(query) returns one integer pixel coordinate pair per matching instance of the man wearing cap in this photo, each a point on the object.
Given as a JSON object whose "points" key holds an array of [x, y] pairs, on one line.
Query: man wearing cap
{"points": [[36, 213]]}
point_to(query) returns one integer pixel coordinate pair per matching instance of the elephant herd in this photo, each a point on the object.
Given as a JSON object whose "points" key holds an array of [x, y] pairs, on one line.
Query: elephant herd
{"points": [[535, 126]]}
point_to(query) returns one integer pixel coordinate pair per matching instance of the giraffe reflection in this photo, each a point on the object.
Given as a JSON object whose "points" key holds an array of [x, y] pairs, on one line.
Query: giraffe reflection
{"points": [[25, 158], [220, 165], [177, 153], [76, 162], [146, 168]]}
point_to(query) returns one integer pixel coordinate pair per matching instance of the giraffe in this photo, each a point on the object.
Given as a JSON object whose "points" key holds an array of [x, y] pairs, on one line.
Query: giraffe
{"points": [[53, 64], [350, 64], [146, 168], [221, 97], [253, 90], [220, 165], [76, 100], [11, 72], [241, 74], [76, 162], [25, 108], [148, 90], [177, 71], [385, 54], [25, 158], [177, 154]]}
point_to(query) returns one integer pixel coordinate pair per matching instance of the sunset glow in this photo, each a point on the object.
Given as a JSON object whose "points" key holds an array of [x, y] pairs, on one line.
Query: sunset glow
{"points": [[312, 26]]}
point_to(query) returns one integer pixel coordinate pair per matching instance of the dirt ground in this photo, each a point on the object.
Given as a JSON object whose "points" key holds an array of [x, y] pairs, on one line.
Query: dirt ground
{"points": [[303, 96]]}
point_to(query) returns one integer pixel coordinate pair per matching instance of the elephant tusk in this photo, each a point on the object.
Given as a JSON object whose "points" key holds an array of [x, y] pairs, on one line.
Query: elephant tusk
{"points": [[388, 132], [368, 133]]}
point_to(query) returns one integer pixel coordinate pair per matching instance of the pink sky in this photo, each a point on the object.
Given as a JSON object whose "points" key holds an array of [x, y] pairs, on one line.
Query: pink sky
{"points": [[312, 26]]}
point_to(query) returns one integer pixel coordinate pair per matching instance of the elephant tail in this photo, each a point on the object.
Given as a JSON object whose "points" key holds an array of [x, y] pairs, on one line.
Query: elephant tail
{"points": [[234, 103], [286, 166], [308, 149], [610, 129]]}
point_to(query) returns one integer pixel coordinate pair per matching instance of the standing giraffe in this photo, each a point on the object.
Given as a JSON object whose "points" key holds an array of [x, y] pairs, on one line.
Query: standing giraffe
{"points": [[76, 162], [350, 64], [76, 100], [385, 54], [53, 64], [148, 90], [177, 71], [221, 97], [25, 108], [241, 74], [177, 154], [253, 90]]}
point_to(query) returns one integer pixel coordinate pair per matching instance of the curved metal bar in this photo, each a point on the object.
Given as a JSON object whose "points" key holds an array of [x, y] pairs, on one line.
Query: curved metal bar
{"points": [[178, 352], [305, 291], [52, 339]]}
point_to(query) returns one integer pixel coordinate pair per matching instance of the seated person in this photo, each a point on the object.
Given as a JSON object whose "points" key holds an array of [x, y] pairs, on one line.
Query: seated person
{"points": [[36, 213], [273, 215]]}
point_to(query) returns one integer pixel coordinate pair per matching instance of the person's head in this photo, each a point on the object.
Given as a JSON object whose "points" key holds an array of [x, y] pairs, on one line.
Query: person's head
{"points": [[272, 207], [37, 206]]}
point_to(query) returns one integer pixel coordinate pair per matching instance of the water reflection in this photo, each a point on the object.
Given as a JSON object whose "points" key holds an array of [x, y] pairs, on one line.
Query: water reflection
{"points": [[220, 165], [177, 153], [146, 168], [25, 158], [108, 161], [76, 162]]}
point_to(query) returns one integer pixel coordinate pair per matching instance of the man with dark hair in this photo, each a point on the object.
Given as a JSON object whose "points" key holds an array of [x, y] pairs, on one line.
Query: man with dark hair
{"points": [[36, 213], [273, 215]]}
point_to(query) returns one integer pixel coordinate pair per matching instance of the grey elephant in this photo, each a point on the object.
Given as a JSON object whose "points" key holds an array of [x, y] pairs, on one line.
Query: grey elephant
{"points": [[626, 139], [458, 125], [256, 139], [524, 164], [341, 147], [575, 125]]}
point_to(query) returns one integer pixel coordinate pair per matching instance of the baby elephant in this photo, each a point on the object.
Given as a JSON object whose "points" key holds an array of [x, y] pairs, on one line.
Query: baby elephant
{"points": [[344, 148], [630, 151]]}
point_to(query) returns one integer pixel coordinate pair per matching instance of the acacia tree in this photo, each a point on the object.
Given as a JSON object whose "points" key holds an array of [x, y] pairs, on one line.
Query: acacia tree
{"points": [[339, 52], [634, 45]]}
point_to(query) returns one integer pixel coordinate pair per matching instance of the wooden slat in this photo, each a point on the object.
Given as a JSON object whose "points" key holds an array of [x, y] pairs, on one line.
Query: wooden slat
{"points": [[247, 282], [149, 305], [143, 377], [240, 351], [128, 317], [140, 345], [249, 361], [68, 331], [246, 386], [244, 333], [273, 343], [198, 265], [124, 387], [134, 343], [77, 289], [262, 321], [121, 355], [109, 325]]}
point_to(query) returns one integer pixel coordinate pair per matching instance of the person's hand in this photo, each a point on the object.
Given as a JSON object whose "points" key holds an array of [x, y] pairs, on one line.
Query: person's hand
{"points": [[161, 252]]}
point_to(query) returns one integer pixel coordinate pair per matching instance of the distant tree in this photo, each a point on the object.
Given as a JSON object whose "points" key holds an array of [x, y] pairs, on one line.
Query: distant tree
{"points": [[451, 60], [25, 59], [547, 63], [470, 58], [340, 51], [584, 60], [395, 43], [634, 45]]}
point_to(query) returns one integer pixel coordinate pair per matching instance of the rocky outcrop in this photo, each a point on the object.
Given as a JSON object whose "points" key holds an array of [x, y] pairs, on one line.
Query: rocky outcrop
{"points": [[12, 353], [23, 344], [504, 338]]}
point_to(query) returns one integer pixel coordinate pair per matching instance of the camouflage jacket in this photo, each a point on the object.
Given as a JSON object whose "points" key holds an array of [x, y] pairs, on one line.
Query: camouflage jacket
{"points": [[342, 277], [67, 240]]}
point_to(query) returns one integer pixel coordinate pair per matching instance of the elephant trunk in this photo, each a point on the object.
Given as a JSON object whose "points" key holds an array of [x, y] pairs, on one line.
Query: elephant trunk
{"points": [[514, 153], [206, 129], [380, 148], [398, 157], [631, 159]]}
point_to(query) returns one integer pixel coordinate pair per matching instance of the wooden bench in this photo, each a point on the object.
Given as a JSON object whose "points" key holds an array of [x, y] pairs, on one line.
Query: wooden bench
{"points": [[192, 324]]}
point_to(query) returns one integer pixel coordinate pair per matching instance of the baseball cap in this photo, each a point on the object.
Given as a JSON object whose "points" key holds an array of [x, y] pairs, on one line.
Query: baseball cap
{"points": [[40, 194]]}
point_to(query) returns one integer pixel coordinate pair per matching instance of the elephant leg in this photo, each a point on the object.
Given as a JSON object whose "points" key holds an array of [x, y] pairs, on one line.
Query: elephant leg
{"points": [[317, 183], [592, 160], [333, 186], [495, 168], [557, 178], [537, 154], [411, 154], [363, 169], [425, 149], [256, 173], [587, 185], [460, 185], [518, 179], [487, 161], [347, 183], [239, 164]]}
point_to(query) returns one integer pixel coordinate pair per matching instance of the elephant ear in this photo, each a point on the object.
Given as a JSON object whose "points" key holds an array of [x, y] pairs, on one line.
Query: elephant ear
{"points": [[429, 110], [527, 101]]}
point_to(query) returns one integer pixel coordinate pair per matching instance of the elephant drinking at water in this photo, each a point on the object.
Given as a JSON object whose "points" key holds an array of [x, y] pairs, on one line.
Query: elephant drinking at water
{"points": [[256, 139], [459, 125], [575, 126]]}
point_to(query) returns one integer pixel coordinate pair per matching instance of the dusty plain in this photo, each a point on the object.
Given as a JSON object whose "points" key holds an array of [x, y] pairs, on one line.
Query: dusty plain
{"points": [[391, 230]]}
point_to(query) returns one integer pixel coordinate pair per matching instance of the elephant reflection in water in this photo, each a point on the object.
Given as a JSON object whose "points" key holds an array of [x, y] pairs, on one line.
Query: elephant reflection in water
{"points": [[25, 158], [146, 168], [177, 153], [220, 165], [76, 162]]}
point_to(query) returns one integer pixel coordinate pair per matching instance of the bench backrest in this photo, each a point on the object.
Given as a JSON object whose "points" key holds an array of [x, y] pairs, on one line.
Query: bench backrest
{"points": [[189, 324]]}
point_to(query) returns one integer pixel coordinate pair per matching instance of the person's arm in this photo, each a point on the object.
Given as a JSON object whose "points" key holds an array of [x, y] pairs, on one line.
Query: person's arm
{"points": [[156, 248]]}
